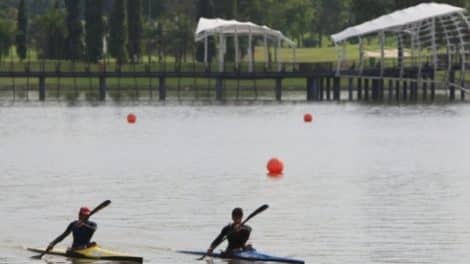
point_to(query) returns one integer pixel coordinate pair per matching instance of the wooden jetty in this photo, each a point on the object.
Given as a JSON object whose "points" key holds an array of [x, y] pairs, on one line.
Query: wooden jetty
{"points": [[321, 82]]}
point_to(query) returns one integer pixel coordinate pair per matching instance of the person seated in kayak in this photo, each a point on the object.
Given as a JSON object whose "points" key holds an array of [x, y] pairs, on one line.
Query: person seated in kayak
{"points": [[237, 234], [81, 229]]}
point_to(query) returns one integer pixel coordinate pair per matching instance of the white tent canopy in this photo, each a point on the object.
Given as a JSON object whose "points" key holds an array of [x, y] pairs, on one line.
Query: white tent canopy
{"points": [[220, 29], [396, 19], [209, 27], [428, 32]]}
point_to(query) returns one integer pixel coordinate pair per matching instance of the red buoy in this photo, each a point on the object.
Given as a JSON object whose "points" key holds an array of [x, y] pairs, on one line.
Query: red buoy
{"points": [[131, 118], [308, 118], [275, 167]]}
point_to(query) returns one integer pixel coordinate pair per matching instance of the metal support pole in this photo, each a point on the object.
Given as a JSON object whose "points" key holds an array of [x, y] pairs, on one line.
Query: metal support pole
{"points": [[361, 56], [278, 58], [434, 48], [236, 49], [221, 52], [266, 52], [382, 52], [250, 51]]}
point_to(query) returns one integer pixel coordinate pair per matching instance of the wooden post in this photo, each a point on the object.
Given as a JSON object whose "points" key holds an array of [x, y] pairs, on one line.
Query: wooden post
{"points": [[397, 90], [366, 88], [162, 89], [425, 89], [219, 89], [102, 88], [451, 87], [42, 88], [462, 92], [390, 90], [321, 88], [359, 88], [328, 88], [381, 88], [311, 89], [433, 87], [375, 89], [279, 89], [336, 88], [414, 90], [350, 89], [405, 89]]}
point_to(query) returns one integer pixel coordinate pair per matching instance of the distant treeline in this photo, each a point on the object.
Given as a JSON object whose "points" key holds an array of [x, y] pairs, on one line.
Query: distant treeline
{"points": [[129, 29]]}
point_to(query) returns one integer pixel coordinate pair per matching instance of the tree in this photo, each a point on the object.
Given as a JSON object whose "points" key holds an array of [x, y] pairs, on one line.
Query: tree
{"points": [[22, 30], [330, 16], [178, 29], [48, 32], [401, 4], [74, 42], [365, 10], [298, 17], [153, 9], [5, 37], [134, 21], [118, 32], [205, 8], [94, 29]]}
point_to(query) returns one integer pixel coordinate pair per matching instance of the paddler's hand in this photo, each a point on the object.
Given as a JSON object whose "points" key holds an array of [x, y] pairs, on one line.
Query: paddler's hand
{"points": [[209, 251], [50, 247]]}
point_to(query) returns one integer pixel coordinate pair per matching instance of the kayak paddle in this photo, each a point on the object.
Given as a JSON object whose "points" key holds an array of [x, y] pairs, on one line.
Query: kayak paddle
{"points": [[99, 207], [255, 212]]}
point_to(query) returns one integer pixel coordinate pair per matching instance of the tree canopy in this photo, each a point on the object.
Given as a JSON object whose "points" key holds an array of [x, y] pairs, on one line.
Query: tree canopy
{"points": [[146, 24]]}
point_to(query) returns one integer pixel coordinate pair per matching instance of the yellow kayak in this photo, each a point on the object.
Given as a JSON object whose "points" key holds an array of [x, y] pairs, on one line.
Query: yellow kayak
{"points": [[93, 252]]}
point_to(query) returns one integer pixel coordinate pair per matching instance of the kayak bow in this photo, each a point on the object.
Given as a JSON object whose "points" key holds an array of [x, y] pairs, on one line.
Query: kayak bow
{"points": [[94, 252], [250, 255]]}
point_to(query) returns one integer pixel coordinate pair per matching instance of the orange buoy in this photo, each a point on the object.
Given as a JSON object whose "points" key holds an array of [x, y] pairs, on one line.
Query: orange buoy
{"points": [[131, 118], [275, 167], [308, 118]]}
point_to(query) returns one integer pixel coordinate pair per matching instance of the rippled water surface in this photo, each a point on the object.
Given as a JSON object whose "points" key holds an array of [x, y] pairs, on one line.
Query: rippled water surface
{"points": [[362, 184]]}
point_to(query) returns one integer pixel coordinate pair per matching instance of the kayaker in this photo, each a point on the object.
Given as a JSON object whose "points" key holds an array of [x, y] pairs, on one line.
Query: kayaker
{"points": [[81, 229], [237, 234]]}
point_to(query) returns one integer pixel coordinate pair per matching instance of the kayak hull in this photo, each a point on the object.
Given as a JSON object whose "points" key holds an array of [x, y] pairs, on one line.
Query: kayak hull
{"points": [[250, 255], [94, 252]]}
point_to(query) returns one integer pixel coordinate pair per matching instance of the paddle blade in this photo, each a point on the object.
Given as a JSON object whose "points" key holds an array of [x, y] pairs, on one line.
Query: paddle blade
{"points": [[100, 206], [257, 211], [37, 256]]}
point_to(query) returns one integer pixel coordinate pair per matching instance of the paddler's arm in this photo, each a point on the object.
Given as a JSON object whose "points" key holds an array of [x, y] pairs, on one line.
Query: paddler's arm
{"points": [[219, 239], [61, 237]]}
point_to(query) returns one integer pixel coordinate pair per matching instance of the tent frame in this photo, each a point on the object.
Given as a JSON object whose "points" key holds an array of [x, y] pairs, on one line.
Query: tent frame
{"points": [[221, 29], [427, 35]]}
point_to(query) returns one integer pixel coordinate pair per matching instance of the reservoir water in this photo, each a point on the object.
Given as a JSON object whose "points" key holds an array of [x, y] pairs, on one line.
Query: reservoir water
{"points": [[362, 183]]}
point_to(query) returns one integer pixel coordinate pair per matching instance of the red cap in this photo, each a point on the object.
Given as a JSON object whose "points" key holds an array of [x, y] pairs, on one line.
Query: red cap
{"points": [[84, 211]]}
